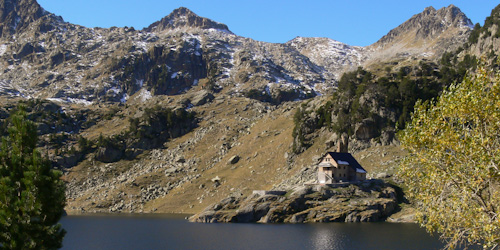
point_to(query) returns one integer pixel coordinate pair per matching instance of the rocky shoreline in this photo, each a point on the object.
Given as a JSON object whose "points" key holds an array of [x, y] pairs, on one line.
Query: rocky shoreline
{"points": [[367, 201]]}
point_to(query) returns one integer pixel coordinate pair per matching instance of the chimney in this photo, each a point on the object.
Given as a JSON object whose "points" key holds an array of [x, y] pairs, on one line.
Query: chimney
{"points": [[343, 144]]}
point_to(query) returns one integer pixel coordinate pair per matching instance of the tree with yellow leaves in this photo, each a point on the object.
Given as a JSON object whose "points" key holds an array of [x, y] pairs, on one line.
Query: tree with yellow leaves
{"points": [[452, 171]]}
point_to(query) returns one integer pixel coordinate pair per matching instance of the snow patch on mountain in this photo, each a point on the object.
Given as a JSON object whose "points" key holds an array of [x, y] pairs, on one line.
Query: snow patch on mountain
{"points": [[334, 56]]}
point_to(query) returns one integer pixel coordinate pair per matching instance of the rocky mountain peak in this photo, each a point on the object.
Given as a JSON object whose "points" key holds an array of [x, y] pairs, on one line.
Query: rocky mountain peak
{"points": [[185, 18], [429, 33], [429, 10], [16, 15], [452, 15], [430, 23]]}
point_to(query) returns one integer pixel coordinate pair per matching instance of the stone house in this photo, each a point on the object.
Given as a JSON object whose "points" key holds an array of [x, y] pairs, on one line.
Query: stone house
{"points": [[339, 167]]}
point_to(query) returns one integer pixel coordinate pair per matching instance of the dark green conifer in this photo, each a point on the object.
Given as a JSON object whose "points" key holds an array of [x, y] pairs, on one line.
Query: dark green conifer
{"points": [[32, 195]]}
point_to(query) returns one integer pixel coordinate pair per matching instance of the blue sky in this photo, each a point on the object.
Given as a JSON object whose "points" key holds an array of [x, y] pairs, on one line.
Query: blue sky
{"points": [[360, 22]]}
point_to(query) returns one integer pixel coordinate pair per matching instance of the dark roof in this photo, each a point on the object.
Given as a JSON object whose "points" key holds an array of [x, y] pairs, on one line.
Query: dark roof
{"points": [[346, 157]]}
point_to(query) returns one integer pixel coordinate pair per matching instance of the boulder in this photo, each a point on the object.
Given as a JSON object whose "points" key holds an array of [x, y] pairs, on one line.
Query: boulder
{"points": [[180, 159], [216, 181], [235, 159], [201, 97], [383, 175], [387, 207], [108, 154]]}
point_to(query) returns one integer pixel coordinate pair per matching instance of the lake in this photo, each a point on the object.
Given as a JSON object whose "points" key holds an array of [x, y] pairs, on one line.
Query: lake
{"points": [[174, 232]]}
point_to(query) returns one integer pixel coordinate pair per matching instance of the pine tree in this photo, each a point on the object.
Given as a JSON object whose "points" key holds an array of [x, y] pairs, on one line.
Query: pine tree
{"points": [[32, 195]]}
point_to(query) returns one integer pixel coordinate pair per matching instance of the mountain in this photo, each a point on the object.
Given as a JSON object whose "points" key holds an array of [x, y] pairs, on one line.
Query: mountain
{"points": [[425, 35], [172, 56], [85, 65], [184, 112]]}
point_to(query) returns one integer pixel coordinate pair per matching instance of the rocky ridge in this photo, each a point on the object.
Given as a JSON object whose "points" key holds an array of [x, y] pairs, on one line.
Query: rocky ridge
{"points": [[52, 59]]}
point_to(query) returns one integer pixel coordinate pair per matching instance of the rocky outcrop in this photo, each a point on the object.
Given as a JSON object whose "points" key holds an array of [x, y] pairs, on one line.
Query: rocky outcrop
{"points": [[369, 201], [202, 97], [108, 154], [366, 130]]}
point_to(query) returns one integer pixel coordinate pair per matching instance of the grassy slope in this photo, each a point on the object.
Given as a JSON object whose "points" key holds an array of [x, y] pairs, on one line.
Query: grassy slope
{"points": [[259, 135]]}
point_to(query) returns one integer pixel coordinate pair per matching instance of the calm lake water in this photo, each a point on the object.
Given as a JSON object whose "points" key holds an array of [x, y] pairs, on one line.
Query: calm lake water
{"points": [[174, 232]]}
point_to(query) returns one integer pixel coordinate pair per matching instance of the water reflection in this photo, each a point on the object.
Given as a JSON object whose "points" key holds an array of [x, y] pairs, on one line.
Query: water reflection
{"points": [[326, 238]]}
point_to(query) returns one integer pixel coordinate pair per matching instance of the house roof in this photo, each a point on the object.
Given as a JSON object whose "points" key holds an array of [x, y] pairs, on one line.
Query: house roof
{"points": [[342, 158]]}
